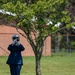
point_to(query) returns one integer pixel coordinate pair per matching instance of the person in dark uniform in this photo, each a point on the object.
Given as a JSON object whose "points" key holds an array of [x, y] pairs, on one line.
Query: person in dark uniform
{"points": [[14, 60]]}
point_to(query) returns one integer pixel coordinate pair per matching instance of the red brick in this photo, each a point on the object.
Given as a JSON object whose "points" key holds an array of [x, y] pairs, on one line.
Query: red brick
{"points": [[6, 33]]}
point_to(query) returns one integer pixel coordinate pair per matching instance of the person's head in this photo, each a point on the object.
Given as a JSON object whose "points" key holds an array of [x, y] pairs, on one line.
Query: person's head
{"points": [[15, 38]]}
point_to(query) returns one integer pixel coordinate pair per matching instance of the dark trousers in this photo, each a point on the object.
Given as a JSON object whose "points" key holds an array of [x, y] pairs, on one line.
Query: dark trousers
{"points": [[15, 69]]}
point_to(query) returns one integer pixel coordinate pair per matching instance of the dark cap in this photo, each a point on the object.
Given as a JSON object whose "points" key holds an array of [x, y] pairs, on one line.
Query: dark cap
{"points": [[15, 37]]}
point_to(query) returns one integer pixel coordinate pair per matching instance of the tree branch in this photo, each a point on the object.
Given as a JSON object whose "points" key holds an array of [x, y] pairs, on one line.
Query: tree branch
{"points": [[50, 34], [21, 33]]}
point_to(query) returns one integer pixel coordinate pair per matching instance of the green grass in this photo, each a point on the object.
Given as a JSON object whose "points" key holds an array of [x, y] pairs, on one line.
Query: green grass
{"points": [[57, 64]]}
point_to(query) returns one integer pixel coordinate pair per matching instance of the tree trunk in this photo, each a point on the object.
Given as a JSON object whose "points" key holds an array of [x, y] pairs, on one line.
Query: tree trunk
{"points": [[38, 70], [67, 42], [57, 42]]}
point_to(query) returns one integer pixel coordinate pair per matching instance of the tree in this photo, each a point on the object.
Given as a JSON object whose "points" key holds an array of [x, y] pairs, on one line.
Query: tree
{"points": [[34, 17], [71, 9]]}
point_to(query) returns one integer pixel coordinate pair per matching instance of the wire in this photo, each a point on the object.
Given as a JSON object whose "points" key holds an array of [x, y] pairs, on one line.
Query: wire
{"points": [[4, 50]]}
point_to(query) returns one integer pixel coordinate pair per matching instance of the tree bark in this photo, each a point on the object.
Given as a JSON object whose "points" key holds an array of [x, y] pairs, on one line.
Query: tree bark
{"points": [[38, 70], [57, 42]]}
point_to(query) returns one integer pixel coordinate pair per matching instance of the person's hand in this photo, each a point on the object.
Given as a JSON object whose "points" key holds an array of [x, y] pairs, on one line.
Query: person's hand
{"points": [[15, 41]]}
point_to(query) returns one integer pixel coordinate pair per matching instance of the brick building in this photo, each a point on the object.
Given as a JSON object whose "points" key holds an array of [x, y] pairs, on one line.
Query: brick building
{"points": [[6, 33]]}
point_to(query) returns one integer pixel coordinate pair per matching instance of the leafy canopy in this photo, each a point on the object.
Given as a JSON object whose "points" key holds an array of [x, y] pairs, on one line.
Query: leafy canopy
{"points": [[35, 16]]}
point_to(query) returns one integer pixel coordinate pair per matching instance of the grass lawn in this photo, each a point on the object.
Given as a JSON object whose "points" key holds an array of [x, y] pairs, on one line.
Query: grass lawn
{"points": [[57, 64]]}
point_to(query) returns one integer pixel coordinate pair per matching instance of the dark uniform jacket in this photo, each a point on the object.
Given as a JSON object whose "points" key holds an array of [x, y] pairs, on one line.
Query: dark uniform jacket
{"points": [[15, 56]]}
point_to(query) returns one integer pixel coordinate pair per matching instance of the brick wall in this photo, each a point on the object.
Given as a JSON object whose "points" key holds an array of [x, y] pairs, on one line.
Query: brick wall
{"points": [[5, 39]]}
